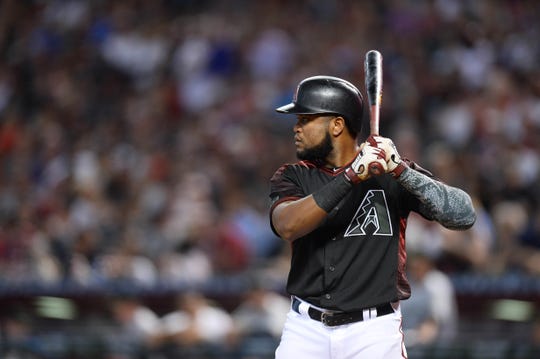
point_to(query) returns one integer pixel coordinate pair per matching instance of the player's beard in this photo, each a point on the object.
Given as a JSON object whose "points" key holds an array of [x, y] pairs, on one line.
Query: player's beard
{"points": [[318, 152]]}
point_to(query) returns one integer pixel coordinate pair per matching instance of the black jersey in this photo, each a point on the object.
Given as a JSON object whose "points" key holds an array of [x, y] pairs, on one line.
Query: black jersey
{"points": [[356, 258]]}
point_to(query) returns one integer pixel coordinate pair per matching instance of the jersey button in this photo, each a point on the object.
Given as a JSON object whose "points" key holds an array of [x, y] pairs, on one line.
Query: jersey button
{"points": [[331, 268], [328, 296]]}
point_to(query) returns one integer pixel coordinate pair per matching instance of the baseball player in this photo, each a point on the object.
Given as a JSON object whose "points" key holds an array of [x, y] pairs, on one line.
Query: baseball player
{"points": [[347, 227]]}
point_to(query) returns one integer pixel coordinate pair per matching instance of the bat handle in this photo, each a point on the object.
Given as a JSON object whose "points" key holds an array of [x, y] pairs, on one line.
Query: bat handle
{"points": [[375, 168], [374, 119]]}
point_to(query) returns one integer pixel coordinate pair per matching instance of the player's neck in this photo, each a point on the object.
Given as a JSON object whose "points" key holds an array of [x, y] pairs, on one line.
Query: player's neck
{"points": [[341, 157]]}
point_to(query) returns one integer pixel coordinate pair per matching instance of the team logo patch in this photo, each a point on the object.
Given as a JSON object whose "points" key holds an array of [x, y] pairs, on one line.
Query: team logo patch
{"points": [[372, 216]]}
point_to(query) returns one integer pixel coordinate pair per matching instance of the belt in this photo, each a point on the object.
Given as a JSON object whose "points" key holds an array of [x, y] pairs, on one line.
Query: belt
{"points": [[332, 319]]}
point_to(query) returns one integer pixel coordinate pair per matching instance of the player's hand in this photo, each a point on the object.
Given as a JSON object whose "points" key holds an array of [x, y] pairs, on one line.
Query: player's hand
{"points": [[368, 156], [394, 163]]}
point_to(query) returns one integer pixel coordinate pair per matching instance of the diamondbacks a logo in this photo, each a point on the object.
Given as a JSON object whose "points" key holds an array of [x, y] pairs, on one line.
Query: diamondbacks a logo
{"points": [[372, 216]]}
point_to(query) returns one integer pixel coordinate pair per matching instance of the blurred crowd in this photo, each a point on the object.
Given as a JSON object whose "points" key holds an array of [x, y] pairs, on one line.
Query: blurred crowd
{"points": [[137, 137], [192, 326]]}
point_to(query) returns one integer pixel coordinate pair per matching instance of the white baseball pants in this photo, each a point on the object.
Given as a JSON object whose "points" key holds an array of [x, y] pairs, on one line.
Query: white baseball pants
{"points": [[372, 338]]}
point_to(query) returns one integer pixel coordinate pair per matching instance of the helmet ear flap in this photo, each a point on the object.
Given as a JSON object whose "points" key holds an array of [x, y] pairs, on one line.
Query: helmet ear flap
{"points": [[328, 95]]}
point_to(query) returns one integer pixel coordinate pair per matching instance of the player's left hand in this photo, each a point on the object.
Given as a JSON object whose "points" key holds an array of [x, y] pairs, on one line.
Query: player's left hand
{"points": [[394, 163]]}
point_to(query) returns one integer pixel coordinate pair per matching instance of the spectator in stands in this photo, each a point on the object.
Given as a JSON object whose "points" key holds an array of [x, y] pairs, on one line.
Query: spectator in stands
{"points": [[136, 328], [196, 326], [529, 241], [261, 312], [469, 251], [258, 320], [433, 308], [187, 263], [510, 217]]}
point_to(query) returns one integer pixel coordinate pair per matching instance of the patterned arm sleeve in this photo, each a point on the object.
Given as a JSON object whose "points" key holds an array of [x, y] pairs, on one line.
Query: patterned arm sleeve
{"points": [[450, 206]]}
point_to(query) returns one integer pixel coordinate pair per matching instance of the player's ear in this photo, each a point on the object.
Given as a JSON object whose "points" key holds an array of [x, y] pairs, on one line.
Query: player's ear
{"points": [[338, 125]]}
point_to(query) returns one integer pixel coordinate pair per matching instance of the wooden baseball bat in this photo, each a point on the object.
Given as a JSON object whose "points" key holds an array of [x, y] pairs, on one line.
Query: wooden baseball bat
{"points": [[374, 81]]}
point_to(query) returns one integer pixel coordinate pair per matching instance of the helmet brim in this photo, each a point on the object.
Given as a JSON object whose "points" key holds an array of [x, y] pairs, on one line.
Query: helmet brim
{"points": [[295, 108]]}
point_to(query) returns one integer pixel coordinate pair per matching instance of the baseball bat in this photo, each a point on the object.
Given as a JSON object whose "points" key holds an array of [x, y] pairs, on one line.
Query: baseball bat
{"points": [[374, 81]]}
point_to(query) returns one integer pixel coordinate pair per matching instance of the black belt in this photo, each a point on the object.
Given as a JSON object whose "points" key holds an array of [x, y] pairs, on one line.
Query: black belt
{"points": [[332, 319]]}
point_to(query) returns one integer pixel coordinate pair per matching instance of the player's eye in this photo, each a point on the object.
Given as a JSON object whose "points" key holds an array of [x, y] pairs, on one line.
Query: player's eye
{"points": [[302, 120]]}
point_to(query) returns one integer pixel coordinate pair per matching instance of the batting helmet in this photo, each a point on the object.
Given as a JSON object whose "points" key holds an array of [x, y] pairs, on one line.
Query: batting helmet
{"points": [[328, 95]]}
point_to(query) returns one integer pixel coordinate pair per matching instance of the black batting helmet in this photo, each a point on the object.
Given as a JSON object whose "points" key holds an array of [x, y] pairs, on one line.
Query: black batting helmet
{"points": [[328, 95]]}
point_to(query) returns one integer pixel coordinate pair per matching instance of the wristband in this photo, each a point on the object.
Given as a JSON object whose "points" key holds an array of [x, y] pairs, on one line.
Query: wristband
{"points": [[352, 176], [332, 193], [396, 172]]}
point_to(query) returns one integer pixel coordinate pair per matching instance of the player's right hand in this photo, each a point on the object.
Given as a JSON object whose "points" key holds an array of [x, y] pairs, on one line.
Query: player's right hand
{"points": [[368, 156], [395, 164]]}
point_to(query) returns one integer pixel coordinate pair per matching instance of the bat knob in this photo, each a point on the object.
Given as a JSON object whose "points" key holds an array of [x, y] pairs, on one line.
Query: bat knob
{"points": [[376, 169]]}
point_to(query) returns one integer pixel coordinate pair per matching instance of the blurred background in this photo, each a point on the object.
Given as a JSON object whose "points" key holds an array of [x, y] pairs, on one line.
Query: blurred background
{"points": [[137, 139]]}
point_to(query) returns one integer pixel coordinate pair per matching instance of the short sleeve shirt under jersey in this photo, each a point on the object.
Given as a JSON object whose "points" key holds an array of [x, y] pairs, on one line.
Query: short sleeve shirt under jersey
{"points": [[356, 258]]}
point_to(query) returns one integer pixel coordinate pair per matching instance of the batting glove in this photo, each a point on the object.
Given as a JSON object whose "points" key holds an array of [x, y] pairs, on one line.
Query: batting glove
{"points": [[395, 165], [368, 157]]}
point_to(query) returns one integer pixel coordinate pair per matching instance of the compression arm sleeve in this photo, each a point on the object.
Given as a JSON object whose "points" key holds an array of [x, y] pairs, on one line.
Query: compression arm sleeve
{"points": [[450, 206]]}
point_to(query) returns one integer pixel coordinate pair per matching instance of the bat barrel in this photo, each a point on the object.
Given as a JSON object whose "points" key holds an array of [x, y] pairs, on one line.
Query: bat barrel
{"points": [[373, 73]]}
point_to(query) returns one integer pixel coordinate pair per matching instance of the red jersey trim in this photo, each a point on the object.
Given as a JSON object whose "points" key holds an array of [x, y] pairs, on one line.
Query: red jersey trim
{"points": [[403, 287], [330, 171]]}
